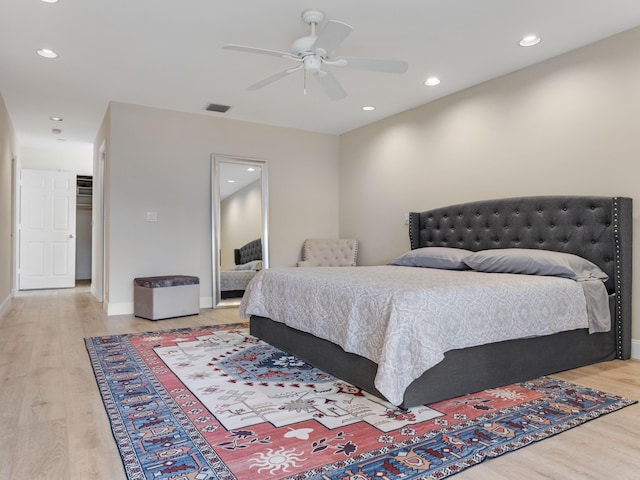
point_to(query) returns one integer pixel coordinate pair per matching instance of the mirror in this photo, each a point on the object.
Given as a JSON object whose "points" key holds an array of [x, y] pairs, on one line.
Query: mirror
{"points": [[239, 206]]}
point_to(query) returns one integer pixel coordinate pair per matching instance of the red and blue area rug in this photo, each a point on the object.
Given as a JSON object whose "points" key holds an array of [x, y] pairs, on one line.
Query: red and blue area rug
{"points": [[217, 404]]}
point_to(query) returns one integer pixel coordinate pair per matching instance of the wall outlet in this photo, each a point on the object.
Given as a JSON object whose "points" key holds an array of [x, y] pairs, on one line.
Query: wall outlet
{"points": [[152, 216]]}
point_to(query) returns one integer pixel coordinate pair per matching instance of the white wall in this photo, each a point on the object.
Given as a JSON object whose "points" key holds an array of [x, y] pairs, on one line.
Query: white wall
{"points": [[565, 126], [159, 160]]}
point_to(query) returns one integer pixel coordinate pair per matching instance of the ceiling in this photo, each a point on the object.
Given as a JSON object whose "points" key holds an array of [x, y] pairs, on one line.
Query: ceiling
{"points": [[169, 55]]}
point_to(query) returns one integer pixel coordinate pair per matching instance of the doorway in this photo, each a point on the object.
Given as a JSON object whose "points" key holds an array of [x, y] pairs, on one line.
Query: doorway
{"points": [[84, 207], [54, 245]]}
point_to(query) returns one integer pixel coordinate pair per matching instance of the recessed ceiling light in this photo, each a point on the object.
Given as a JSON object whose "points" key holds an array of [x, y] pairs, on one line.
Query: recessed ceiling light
{"points": [[432, 81], [46, 53], [50, 1], [529, 41], [251, 169], [231, 181], [56, 119], [368, 108]]}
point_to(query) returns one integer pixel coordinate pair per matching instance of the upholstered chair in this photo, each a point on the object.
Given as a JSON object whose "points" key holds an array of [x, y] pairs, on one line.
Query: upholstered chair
{"points": [[329, 252]]}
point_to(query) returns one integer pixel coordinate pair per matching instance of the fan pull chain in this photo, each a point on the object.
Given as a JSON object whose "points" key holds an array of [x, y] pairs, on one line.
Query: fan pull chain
{"points": [[304, 84]]}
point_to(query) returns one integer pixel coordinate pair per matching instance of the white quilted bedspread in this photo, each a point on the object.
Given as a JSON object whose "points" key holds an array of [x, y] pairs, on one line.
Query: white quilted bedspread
{"points": [[405, 319]]}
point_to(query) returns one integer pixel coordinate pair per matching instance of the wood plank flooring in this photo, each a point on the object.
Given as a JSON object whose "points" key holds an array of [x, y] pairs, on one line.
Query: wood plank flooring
{"points": [[53, 424]]}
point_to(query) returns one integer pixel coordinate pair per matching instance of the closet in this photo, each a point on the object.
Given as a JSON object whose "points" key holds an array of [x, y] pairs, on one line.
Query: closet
{"points": [[84, 192]]}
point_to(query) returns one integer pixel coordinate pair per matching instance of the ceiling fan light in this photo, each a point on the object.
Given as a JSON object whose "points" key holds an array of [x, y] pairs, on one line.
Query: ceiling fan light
{"points": [[46, 53], [432, 81], [529, 41]]}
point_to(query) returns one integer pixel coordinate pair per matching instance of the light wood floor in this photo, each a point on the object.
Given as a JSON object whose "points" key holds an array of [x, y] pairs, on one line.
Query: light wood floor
{"points": [[53, 424]]}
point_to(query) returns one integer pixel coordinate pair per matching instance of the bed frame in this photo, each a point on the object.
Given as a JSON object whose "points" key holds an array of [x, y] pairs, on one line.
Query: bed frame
{"points": [[596, 228]]}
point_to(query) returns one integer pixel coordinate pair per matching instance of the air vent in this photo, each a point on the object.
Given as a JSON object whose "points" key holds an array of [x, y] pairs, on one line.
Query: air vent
{"points": [[214, 107]]}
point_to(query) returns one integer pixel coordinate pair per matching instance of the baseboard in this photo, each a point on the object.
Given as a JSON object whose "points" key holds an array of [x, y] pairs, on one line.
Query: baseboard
{"points": [[206, 302], [6, 303], [126, 308], [635, 349]]}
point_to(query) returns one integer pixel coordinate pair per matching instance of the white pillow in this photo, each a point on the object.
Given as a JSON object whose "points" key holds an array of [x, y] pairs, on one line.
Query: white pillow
{"points": [[253, 265], [535, 262]]}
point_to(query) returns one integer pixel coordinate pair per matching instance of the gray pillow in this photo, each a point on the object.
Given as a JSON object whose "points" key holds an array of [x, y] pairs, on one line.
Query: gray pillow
{"points": [[446, 258], [535, 262]]}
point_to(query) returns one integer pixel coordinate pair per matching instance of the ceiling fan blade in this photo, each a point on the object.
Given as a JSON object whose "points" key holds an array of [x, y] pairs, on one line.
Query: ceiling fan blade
{"points": [[261, 51], [331, 86], [331, 36], [273, 78], [374, 64]]}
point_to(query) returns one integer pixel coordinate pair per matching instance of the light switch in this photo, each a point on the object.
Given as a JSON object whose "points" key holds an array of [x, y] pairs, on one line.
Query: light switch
{"points": [[406, 219], [152, 216]]}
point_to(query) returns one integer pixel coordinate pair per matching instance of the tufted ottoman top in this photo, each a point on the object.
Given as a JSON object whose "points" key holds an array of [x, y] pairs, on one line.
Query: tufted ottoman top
{"points": [[166, 281]]}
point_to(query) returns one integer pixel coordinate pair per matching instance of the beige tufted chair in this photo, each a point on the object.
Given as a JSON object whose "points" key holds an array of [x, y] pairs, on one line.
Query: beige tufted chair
{"points": [[329, 252]]}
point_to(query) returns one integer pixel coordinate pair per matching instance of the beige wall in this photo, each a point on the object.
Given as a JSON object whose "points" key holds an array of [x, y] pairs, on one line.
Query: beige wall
{"points": [[74, 159], [7, 153], [159, 160], [565, 126]]}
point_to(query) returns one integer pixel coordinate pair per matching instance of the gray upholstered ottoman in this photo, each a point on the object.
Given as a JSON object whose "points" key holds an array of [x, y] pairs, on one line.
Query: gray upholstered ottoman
{"points": [[169, 296]]}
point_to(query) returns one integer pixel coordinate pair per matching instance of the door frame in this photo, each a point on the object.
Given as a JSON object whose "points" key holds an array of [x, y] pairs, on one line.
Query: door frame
{"points": [[15, 220]]}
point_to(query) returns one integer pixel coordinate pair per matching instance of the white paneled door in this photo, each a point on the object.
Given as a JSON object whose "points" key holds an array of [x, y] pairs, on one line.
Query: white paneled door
{"points": [[47, 229]]}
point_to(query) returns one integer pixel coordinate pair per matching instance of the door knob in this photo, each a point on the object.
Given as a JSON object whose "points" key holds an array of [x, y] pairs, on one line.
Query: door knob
{"points": [[71, 235]]}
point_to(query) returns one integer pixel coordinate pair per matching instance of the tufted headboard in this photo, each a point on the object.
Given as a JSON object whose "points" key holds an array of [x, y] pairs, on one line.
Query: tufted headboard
{"points": [[596, 228], [249, 252], [329, 252]]}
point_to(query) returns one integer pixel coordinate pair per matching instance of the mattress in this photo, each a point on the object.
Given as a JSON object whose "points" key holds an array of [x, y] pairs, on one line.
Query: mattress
{"points": [[405, 319]]}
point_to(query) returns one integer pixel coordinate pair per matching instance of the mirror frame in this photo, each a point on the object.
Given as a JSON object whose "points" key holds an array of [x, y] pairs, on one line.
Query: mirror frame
{"points": [[216, 160]]}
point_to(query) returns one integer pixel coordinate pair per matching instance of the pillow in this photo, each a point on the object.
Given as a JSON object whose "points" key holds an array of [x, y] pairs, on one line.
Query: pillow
{"points": [[535, 262], [446, 258], [253, 265]]}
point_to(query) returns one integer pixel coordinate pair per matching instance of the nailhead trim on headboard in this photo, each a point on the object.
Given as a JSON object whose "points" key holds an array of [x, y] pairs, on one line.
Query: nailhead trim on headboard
{"points": [[616, 239]]}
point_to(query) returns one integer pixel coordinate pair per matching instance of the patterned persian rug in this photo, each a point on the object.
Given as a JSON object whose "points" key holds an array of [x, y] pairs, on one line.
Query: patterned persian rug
{"points": [[216, 403]]}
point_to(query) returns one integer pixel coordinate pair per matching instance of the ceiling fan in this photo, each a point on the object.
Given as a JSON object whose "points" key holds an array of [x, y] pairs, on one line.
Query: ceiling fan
{"points": [[314, 51]]}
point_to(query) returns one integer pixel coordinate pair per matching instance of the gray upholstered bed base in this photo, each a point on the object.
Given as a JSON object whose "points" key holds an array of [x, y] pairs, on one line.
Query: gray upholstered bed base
{"points": [[596, 228]]}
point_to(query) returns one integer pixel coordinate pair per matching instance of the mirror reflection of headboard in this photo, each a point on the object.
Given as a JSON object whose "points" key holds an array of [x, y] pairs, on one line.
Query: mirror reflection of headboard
{"points": [[249, 252]]}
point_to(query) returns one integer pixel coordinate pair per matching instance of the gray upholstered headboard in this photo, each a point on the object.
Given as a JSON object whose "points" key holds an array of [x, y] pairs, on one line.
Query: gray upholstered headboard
{"points": [[596, 228], [249, 252]]}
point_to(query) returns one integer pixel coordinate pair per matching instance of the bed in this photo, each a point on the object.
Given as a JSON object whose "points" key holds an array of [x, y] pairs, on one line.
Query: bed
{"points": [[597, 229], [248, 260]]}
